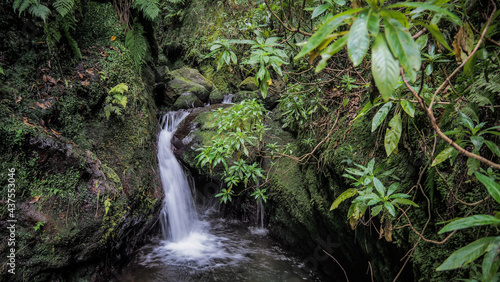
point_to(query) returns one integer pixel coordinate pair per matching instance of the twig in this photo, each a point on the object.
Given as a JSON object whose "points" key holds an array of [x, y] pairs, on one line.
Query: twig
{"points": [[338, 264], [283, 24]]}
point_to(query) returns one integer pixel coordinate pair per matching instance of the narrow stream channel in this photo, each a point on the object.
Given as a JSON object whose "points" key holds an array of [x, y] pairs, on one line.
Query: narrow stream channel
{"points": [[205, 247]]}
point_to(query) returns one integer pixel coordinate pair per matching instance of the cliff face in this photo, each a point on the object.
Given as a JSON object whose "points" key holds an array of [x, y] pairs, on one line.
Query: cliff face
{"points": [[87, 185]]}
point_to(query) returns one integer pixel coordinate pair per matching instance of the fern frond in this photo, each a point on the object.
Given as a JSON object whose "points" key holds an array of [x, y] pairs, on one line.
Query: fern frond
{"points": [[22, 5], [73, 44], [119, 89], [40, 11], [471, 110], [136, 43], [149, 8], [483, 91], [63, 7]]}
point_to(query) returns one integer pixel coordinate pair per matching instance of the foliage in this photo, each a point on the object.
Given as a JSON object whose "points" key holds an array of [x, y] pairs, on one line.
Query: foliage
{"points": [[149, 8], [487, 246], [137, 44], [371, 192], [266, 53], [115, 99]]}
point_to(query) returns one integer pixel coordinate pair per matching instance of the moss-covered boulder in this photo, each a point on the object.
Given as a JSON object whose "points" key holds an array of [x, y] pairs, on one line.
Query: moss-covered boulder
{"points": [[216, 96], [248, 84], [187, 100], [190, 80], [246, 95]]}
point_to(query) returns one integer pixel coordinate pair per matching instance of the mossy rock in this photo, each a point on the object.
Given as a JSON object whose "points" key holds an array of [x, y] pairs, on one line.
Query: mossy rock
{"points": [[248, 84], [182, 85], [216, 96], [190, 80], [187, 100], [246, 95]]}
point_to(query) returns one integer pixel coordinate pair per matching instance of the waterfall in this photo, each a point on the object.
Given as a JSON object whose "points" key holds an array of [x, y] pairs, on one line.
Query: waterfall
{"points": [[228, 99], [178, 217]]}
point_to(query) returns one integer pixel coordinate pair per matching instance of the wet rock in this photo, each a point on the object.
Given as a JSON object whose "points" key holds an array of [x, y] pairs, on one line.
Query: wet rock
{"points": [[216, 96], [187, 100], [190, 80], [248, 84], [246, 95]]}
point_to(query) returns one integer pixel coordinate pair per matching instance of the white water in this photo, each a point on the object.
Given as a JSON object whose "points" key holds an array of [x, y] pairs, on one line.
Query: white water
{"points": [[178, 217], [228, 99]]}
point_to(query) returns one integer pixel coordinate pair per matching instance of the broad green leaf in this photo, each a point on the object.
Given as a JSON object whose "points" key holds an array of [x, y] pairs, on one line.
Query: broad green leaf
{"points": [[491, 185], [373, 22], [215, 46], [493, 147], [472, 165], [392, 188], [385, 68], [233, 58], [325, 30], [319, 10], [390, 208], [331, 50], [404, 202], [403, 46], [467, 254], [358, 41], [422, 41], [408, 107], [426, 6], [379, 186], [344, 196], [466, 121], [400, 17], [376, 210], [1, 71], [489, 266], [434, 30], [471, 221], [393, 134], [443, 156], [340, 2], [380, 115]]}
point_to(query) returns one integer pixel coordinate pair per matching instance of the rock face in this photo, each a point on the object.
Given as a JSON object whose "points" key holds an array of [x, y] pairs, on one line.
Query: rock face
{"points": [[190, 80], [187, 100], [248, 84]]}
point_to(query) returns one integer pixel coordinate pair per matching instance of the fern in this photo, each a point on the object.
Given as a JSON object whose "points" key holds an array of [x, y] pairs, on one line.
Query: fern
{"points": [[148, 7], [136, 43], [484, 89], [63, 7], [34, 8], [117, 98]]}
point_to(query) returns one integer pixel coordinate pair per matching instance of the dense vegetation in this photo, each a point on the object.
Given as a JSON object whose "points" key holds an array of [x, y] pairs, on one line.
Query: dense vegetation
{"points": [[390, 106]]}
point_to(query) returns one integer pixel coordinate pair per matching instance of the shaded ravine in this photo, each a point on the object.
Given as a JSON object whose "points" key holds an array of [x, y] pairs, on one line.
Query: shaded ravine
{"points": [[204, 247]]}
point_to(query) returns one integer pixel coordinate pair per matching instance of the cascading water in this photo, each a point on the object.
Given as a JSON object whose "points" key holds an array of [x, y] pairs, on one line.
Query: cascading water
{"points": [[178, 217], [228, 99], [194, 249]]}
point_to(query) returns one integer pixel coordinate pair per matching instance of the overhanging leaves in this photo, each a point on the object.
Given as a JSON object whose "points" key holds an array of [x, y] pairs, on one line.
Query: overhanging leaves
{"points": [[471, 221], [358, 42], [466, 254], [385, 68], [344, 196], [393, 134]]}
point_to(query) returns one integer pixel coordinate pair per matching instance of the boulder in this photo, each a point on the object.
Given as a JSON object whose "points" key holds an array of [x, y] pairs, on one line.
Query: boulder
{"points": [[187, 100], [248, 84], [190, 80], [246, 95], [216, 96]]}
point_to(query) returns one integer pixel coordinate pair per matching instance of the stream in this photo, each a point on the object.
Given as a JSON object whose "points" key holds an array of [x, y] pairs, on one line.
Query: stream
{"points": [[199, 245]]}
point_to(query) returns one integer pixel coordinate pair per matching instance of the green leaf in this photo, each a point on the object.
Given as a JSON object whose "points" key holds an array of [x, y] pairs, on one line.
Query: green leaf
{"points": [[493, 147], [385, 68], [325, 30], [393, 134], [376, 210], [466, 121], [489, 266], [1, 71], [400, 17], [491, 185], [422, 41], [403, 46], [379, 187], [434, 30], [373, 22], [319, 10], [466, 254], [380, 115], [404, 202], [408, 107], [392, 188], [426, 6], [471, 221], [359, 41], [331, 50], [443, 156], [344, 196], [390, 208]]}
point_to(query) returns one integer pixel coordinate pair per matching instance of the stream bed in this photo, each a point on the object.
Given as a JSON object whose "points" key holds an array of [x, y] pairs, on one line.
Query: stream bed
{"points": [[222, 251]]}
